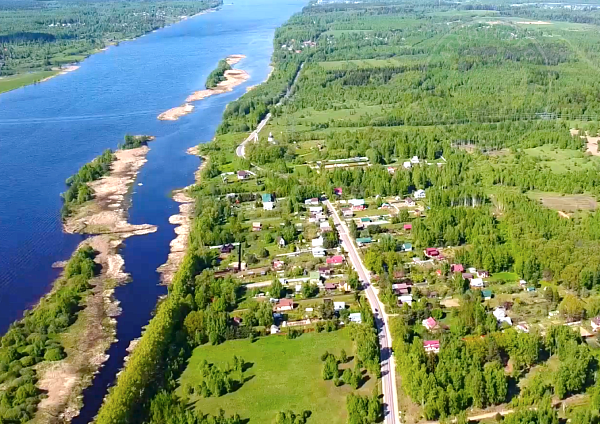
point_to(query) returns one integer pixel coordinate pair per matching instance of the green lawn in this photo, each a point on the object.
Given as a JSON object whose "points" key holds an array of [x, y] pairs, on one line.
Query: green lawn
{"points": [[503, 276], [17, 81], [285, 375], [563, 160]]}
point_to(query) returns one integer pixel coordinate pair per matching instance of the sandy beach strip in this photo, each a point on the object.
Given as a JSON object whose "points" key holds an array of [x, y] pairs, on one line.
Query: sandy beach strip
{"points": [[233, 78]]}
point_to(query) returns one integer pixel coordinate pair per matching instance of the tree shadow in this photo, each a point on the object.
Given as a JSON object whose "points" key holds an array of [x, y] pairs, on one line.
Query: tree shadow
{"points": [[513, 389], [247, 366]]}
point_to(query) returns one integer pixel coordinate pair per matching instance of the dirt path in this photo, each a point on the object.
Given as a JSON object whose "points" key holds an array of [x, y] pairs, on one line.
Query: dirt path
{"points": [[233, 78]]}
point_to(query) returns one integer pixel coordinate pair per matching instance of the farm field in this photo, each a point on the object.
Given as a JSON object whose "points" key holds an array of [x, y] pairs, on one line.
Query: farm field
{"points": [[284, 375], [16, 81]]}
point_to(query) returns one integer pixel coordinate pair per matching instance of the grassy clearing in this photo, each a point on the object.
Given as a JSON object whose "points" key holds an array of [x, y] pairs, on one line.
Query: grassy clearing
{"points": [[563, 160], [17, 81], [374, 63], [285, 374], [565, 202]]}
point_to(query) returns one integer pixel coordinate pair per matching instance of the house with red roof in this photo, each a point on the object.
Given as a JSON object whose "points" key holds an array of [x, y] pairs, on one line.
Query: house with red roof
{"points": [[407, 227], [457, 268], [335, 260], [337, 191], [431, 346], [429, 323], [431, 252], [284, 305]]}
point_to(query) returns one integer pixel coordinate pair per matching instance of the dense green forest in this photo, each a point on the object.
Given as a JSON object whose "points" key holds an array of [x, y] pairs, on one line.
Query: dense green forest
{"points": [[41, 36], [36, 338]]}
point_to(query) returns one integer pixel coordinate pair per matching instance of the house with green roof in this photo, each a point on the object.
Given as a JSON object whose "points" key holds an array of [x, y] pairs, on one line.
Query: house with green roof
{"points": [[267, 201]]}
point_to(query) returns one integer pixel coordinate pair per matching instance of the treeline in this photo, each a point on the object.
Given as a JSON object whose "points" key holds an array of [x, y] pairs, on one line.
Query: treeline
{"points": [[218, 74], [35, 338], [135, 141], [79, 192]]}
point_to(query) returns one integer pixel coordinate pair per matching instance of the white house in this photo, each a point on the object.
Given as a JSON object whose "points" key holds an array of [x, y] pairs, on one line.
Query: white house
{"points": [[312, 201], [419, 194], [407, 298], [317, 242], [355, 317], [407, 165], [315, 209], [500, 314], [414, 159], [324, 226], [318, 252], [274, 329], [338, 306], [476, 283], [357, 202]]}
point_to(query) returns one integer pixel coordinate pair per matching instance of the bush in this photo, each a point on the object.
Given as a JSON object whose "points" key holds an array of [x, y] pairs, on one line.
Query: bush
{"points": [[55, 354]]}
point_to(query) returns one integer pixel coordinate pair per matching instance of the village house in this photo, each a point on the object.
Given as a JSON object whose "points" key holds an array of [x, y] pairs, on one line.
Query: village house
{"points": [[419, 194], [227, 248], [487, 294], [431, 346], [338, 306], [315, 277], [347, 212], [278, 264], [456, 268], [243, 175], [476, 283], [595, 324], [406, 298], [364, 240], [284, 305], [522, 327], [355, 317], [407, 165], [482, 274], [467, 276], [317, 242], [274, 329], [409, 202], [330, 286], [338, 191], [314, 201], [357, 202], [415, 160], [391, 169], [281, 241], [429, 323], [318, 252], [407, 247], [500, 314], [268, 203], [256, 226], [344, 287], [324, 226], [315, 209], [335, 260], [431, 252]]}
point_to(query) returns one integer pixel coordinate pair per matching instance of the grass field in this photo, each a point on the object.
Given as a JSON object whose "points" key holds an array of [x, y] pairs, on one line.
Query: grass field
{"points": [[564, 202], [563, 160], [284, 375], [17, 81]]}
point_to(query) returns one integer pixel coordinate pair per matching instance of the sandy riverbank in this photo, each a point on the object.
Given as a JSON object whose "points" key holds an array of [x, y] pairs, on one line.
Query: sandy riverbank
{"points": [[62, 71], [183, 221], [88, 339], [233, 78]]}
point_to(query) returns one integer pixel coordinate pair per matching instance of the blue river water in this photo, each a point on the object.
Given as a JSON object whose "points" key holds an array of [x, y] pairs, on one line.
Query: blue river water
{"points": [[49, 130]]}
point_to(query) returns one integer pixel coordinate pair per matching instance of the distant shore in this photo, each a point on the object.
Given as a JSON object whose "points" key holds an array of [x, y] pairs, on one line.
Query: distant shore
{"points": [[75, 65], [233, 78]]}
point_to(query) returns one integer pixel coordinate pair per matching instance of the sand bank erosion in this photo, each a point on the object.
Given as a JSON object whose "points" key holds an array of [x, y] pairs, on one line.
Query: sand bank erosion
{"points": [[233, 78], [88, 339], [182, 220]]}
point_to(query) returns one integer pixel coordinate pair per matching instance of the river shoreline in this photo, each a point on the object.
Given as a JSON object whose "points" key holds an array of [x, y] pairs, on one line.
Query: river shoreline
{"points": [[182, 220], [233, 78], [88, 339]]}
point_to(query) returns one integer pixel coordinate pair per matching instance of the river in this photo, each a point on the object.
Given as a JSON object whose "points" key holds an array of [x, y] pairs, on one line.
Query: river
{"points": [[49, 130]]}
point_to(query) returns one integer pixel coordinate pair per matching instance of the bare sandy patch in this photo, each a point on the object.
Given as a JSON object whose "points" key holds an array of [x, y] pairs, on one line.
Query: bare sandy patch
{"points": [[233, 78], [176, 113], [592, 142], [183, 221], [63, 71]]}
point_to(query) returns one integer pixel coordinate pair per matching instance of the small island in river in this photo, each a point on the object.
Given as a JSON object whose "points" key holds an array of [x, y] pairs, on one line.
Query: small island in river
{"points": [[95, 203], [222, 80]]}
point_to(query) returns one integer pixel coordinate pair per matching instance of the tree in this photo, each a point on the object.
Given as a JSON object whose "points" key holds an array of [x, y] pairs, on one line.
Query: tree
{"points": [[276, 289], [309, 290], [571, 308], [330, 368]]}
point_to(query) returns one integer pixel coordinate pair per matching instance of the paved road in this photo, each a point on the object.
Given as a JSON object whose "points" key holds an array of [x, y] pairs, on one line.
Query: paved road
{"points": [[385, 340]]}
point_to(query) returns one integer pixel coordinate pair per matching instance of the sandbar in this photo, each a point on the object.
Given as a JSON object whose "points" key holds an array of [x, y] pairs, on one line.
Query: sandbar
{"points": [[233, 78]]}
